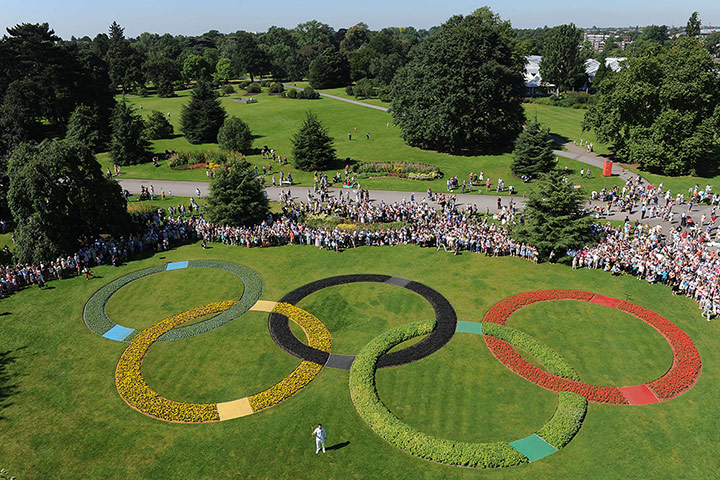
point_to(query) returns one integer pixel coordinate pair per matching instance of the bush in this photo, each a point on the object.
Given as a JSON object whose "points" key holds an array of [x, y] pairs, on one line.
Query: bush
{"points": [[185, 160], [292, 93], [142, 91], [566, 421], [365, 398], [364, 88], [157, 126], [309, 93], [349, 90], [383, 94], [413, 170], [253, 88], [228, 89], [567, 100], [266, 83], [235, 135], [276, 88], [243, 84]]}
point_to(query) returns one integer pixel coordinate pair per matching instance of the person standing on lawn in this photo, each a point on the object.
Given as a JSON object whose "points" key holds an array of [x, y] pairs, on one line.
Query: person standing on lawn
{"points": [[319, 434]]}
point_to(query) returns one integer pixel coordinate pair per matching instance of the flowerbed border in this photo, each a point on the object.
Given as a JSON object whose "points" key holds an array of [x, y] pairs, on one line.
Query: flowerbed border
{"points": [[97, 320], [445, 321], [682, 375], [558, 431], [137, 393]]}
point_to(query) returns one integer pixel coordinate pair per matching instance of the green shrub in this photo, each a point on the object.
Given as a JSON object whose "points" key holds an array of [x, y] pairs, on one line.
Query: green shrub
{"points": [[413, 170], [253, 88], [349, 90], [552, 360], [277, 88], [292, 93], [228, 89], [364, 396], [184, 160], [243, 84], [566, 421], [309, 93], [157, 126], [265, 83]]}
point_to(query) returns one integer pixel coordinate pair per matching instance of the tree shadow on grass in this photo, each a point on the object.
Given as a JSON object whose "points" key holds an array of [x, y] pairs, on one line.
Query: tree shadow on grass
{"points": [[8, 385]]}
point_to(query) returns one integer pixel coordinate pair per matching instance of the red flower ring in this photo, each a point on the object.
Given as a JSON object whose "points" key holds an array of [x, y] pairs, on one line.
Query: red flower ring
{"points": [[681, 377]]}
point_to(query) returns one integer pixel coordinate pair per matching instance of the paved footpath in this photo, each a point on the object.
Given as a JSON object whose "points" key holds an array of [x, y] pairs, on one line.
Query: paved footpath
{"points": [[482, 202], [335, 97]]}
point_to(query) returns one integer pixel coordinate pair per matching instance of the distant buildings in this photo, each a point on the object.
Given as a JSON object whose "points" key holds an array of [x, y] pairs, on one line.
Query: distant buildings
{"points": [[534, 84], [597, 40]]}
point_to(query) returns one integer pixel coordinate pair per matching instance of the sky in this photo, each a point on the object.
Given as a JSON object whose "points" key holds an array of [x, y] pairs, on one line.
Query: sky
{"points": [[193, 17]]}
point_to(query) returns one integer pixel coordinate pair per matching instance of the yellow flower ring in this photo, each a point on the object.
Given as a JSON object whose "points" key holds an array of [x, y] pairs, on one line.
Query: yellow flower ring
{"points": [[135, 391]]}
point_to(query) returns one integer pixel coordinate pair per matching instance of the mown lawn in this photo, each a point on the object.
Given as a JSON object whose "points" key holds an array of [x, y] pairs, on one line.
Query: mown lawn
{"points": [[274, 120], [61, 416]]}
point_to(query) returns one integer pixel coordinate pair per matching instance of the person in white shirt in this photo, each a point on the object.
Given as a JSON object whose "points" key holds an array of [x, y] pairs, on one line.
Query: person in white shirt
{"points": [[319, 434]]}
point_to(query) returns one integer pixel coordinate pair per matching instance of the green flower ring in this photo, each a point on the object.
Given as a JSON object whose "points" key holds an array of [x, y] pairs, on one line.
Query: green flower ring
{"points": [[96, 318], [555, 434], [135, 391]]}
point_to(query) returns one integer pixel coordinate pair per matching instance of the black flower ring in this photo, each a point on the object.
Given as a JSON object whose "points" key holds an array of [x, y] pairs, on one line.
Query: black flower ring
{"points": [[445, 323]]}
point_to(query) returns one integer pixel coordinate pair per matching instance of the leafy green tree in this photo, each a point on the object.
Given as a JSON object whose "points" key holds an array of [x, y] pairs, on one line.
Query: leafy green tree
{"points": [[163, 72], [313, 148], [693, 26], [195, 67], [235, 135], [128, 144], [223, 70], [712, 43], [603, 72], [203, 116], [330, 69], [86, 126], [355, 37], [59, 197], [562, 63], [655, 33], [662, 110], [461, 91], [533, 154], [248, 57], [157, 126], [236, 196], [555, 218], [124, 61]]}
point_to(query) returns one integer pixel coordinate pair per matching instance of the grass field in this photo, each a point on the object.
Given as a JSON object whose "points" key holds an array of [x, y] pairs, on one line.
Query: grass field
{"points": [[274, 120], [61, 416]]}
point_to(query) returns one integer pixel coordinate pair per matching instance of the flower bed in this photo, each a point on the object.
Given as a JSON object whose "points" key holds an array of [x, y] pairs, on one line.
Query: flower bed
{"points": [[318, 337], [564, 424], [681, 376], [411, 170]]}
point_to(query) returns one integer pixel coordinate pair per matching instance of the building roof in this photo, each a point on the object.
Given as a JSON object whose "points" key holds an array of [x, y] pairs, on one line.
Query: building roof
{"points": [[532, 69]]}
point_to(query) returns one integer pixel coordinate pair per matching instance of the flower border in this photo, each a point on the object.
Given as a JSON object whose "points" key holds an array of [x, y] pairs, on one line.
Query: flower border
{"points": [[137, 393], [681, 376], [96, 318], [558, 431]]}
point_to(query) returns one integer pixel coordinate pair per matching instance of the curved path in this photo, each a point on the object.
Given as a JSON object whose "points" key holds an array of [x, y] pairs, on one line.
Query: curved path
{"points": [[335, 97]]}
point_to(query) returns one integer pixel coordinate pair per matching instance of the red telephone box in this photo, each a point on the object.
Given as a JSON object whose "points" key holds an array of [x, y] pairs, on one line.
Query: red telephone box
{"points": [[607, 168]]}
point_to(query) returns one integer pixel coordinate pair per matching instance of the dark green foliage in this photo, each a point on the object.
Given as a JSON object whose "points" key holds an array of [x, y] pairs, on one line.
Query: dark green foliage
{"points": [[203, 116], [350, 90], [253, 88], [235, 135], [330, 69], [562, 62], [58, 197], [567, 420], [292, 93], [364, 89], [662, 110], [247, 57], [555, 218], [276, 87], [86, 126], [124, 61], [228, 89], [308, 93], [162, 72], [461, 91], [128, 144], [312, 146], [693, 26], [655, 33], [236, 196], [533, 151], [157, 126]]}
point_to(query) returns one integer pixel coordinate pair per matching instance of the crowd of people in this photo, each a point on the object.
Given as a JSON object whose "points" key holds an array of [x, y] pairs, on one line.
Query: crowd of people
{"points": [[678, 258]]}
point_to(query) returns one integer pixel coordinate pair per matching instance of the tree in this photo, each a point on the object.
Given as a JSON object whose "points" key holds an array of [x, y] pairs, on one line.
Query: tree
{"points": [[124, 61], [555, 219], [533, 154], [712, 43], [163, 72], [223, 70], [128, 144], [248, 57], [157, 126], [693, 26], [236, 196], [235, 135], [195, 67], [461, 91], [59, 197], [355, 37], [85, 126], [662, 110], [312, 146], [330, 69], [655, 33], [203, 116], [562, 63]]}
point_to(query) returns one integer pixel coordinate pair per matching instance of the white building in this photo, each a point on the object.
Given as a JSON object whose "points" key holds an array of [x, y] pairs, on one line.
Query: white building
{"points": [[535, 85]]}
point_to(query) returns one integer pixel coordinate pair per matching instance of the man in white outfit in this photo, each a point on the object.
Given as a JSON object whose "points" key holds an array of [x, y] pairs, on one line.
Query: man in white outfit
{"points": [[319, 434]]}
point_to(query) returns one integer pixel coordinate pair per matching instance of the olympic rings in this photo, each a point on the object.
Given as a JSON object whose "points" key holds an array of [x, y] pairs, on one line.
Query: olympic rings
{"points": [[681, 377], [555, 434], [97, 320], [445, 323], [135, 391]]}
